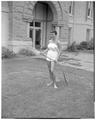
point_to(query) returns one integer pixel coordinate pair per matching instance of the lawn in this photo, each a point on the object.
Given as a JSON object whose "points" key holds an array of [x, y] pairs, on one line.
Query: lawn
{"points": [[25, 93]]}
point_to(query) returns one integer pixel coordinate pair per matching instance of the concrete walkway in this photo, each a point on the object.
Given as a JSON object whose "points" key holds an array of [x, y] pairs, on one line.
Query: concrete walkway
{"points": [[83, 61]]}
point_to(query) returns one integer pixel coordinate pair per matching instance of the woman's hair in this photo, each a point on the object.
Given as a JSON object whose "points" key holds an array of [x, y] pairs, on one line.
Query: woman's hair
{"points": [[55, 32]]}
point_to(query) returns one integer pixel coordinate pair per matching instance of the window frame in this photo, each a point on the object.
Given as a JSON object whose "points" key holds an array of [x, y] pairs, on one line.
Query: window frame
{"points": [[34, 28], [71, 11], [89, 6]]}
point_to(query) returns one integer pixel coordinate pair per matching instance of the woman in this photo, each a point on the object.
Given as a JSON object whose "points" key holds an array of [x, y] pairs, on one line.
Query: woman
{"points": [[52, 57]]}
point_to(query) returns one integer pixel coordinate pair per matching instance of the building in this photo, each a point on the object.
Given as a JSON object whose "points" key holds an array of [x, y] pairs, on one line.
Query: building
{"points": [[27, 24]]}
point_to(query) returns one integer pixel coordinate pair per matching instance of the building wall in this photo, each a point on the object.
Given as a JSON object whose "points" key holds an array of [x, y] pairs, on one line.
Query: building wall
{"points": [[19, 38], [21, 13], [16, 16], [79, 22]]}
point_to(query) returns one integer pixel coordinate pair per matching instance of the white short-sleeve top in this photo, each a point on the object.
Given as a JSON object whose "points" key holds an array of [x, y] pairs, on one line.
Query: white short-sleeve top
{"points": [[53, 52]]}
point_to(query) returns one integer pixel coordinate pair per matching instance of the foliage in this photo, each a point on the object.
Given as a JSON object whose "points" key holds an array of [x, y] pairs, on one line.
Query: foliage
{"points": [[87, 45], [84, 45], [26, 52], [91, 45], [6, 53], [72, 47]]}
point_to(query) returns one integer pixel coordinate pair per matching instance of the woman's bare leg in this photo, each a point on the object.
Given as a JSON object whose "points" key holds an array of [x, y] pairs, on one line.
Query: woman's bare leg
{"points": [[50, 74], [51, 65]]}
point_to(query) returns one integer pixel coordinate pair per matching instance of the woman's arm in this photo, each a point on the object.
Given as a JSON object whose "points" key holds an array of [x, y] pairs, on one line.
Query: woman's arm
{"points": [[59, 43], [44, 52]]}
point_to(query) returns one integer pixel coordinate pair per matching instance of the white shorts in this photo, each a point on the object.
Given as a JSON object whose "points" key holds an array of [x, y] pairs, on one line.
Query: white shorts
{"points": [[52, 55]]}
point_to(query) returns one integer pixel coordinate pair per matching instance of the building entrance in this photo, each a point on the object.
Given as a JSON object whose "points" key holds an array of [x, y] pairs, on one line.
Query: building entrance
{"points": [[35, 34], [41, 25]]}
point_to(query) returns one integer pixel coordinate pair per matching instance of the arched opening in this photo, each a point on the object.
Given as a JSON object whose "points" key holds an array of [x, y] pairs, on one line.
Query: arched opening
{"points": [[42, 23]]}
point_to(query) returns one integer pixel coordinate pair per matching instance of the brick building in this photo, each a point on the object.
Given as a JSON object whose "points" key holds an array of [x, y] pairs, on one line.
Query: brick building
{"points": [[27, 24]]}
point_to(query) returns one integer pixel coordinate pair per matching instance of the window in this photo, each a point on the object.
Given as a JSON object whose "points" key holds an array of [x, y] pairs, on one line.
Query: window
{"points": [[71, 8], [69, 36], [37, 24], [31, 33], [33, 25], [87, 34], [89, 9], [35, 33], [31, 30]]}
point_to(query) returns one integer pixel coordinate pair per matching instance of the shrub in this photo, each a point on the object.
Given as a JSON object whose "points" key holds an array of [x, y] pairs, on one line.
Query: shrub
{"points": [[91, 45], [26, 52], [87, 45], [79, 47], [72, 47], [6, 53], [84, 45]]}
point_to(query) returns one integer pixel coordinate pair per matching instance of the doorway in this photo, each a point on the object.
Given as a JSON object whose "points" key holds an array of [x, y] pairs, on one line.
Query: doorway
{"points": [[35, 34], [37, 38], [41, 25]]}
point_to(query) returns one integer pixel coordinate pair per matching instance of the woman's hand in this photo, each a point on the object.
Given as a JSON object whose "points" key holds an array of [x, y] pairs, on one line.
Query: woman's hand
{"points": [[43, 52]]}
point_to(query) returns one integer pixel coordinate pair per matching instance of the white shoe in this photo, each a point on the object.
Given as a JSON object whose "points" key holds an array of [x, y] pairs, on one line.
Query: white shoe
{"points": [[50, 83], [55, 86]]}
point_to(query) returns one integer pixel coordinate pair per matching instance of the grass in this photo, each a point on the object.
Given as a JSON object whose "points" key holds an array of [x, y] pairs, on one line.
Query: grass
{"points": [[25, 94]]}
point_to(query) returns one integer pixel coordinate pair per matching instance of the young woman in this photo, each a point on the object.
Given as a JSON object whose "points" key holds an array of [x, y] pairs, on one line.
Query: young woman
{"points": [[52, 57]]}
